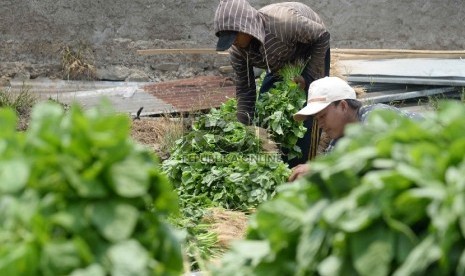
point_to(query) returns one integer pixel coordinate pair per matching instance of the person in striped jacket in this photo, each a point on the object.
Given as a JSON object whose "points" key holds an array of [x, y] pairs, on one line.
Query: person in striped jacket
{"points": [[270, 38]]}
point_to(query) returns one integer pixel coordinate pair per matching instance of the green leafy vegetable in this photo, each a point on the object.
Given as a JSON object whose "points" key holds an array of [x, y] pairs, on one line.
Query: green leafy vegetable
{"points": [[275, 110], [221, 162], [390, 200], [79, 197]]}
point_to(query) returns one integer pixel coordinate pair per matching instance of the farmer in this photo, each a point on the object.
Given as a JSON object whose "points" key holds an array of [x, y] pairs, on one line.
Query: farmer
{"points": [[270, 38], [333, 104]]}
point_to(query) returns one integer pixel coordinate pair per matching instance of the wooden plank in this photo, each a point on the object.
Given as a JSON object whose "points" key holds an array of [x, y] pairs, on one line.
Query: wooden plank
{"points": [[396, 56], [339, 53], [394, 53], [180, 51]]}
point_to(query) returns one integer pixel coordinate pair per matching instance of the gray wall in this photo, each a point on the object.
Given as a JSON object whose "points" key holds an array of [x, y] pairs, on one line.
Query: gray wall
{"points": [[33, 32]]}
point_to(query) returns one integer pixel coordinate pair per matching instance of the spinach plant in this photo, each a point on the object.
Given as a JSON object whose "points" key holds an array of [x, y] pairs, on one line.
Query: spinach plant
{"points": [[79, 197], [390, 200]]}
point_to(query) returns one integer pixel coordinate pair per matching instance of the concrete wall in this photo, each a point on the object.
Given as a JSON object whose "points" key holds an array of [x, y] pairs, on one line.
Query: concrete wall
{"points": [[33, 33]]}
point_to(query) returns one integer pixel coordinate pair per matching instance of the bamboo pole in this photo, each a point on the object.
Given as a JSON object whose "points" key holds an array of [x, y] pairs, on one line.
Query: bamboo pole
{"points": [[180, 51], [394, 54], [340, 53], [395, 51]]}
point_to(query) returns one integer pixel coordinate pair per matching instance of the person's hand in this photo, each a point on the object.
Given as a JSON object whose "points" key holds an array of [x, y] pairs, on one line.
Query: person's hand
{"points": [[300, 81], [299, 171]]}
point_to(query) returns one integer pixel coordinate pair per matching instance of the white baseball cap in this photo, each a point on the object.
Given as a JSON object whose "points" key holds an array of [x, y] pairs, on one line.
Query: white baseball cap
{"points": [[322, 93]]}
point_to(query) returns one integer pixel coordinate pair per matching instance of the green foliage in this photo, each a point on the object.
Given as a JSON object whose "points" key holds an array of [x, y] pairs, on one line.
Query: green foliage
{"points": [[275, 110], [78, 197], [389, 200], [21, 101], [220, 163]]}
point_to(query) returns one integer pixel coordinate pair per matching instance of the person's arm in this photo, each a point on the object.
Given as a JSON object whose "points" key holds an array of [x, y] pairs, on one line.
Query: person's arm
{"points": [[315, 68], [245, 87], [299, 171], [312, 36]]}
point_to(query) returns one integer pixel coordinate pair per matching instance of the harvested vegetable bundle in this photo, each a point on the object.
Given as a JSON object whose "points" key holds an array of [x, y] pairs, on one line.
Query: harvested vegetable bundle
{"points": [[275, 108]]}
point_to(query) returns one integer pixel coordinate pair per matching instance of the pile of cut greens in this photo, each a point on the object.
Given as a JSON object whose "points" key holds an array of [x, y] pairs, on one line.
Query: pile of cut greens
{"points": [[390, 200], [78, 197], [221, 163]]}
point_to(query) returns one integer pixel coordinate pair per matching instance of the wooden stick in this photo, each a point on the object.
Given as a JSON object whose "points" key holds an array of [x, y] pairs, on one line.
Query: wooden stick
{"points": [[342, 54], [362, 52], [394, 53], [396, 56], [180, 51]]}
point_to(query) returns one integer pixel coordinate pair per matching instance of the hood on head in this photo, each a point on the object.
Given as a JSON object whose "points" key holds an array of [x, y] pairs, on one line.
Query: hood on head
{"points": [[239, 16]]}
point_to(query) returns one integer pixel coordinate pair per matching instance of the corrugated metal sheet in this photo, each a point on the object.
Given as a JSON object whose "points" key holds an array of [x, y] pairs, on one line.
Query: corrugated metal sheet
{"points": [[176, 96]]}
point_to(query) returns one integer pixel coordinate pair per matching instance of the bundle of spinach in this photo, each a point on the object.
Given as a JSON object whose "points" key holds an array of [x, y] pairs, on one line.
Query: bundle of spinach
{"points": [[275, 108], [79, 197], [221, 163], [390, 200]]}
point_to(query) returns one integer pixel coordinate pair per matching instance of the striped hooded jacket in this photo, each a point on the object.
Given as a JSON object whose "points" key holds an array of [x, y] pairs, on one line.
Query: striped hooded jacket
{"points": [[283, 32]]}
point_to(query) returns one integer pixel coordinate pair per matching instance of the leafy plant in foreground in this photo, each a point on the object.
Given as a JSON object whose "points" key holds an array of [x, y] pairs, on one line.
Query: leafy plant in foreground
{"points": [[78, 197], [390, 200]]}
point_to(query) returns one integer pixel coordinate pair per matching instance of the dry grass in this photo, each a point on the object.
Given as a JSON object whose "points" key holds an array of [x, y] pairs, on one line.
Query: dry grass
{"points": [[76, 64], [228, 225], [158, 133]]}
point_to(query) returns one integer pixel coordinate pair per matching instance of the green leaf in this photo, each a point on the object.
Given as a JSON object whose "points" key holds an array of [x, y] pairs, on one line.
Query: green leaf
{"points": [[372, 250], [423, 255], [311, 240], [330, 266], [14, 175], [85, 187], [128, 258], [460, 270], [114, 220], [59, 257], [130, 178], [310, 243], [74, 219], [8, 122], [252, 251], [92, 270], [278, 219], [22, 259]]}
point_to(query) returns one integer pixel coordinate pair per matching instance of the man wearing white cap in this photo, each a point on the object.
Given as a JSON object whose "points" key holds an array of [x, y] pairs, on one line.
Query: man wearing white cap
{"points": [[333, 103]]}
